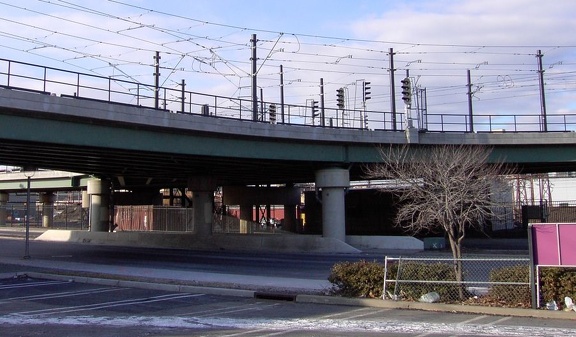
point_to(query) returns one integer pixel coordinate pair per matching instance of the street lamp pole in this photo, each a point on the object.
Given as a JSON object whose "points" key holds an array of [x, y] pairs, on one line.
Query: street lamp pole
{"points": [[29, 173]]}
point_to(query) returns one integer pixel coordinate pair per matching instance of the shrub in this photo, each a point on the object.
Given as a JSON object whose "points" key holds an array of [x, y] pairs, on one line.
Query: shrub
{"points": [[365, 279], [511, 294], [357, 279], [426, 272], [557, 283]]}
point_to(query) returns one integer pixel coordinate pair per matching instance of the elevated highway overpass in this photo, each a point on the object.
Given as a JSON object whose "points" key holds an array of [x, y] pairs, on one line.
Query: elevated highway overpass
{"points": [[134, 147], [143, 146]]}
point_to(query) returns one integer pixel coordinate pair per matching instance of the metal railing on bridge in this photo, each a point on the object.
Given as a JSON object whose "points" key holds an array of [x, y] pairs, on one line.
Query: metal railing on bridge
{"points": [[49, 80]]}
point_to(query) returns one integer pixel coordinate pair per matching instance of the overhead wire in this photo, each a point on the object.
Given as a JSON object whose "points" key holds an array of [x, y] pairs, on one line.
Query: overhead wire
{"points": [[213, 60]]}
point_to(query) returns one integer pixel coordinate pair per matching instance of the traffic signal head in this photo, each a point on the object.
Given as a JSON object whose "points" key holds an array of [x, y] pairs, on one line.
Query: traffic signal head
{"points": [[315, 112], [340, 98], [272, 113], [366, 91], [407, 90]]}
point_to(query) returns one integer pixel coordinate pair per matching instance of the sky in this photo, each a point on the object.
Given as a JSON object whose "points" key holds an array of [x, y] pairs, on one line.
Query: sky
{"points": [[344, 43]]}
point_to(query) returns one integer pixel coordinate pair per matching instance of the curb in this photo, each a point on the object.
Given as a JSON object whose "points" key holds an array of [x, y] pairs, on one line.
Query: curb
{"points": [[454, 308], [313, 299], [141, 284]]}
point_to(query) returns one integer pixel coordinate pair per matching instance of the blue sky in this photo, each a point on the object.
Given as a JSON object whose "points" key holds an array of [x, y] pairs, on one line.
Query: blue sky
{"points": [[206, 42]]}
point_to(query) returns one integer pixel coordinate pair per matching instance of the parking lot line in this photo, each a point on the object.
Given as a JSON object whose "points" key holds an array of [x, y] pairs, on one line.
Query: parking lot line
{"points": [[34, 284], [59, 295], [104, 305], [228, 310]]}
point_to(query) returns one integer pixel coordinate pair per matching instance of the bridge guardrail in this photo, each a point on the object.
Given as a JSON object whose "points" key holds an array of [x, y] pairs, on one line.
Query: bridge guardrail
{"points": [[49, 80]]}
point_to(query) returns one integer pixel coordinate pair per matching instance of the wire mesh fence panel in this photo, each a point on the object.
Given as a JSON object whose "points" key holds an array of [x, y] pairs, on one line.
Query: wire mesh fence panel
{"points": [[486, 281]]}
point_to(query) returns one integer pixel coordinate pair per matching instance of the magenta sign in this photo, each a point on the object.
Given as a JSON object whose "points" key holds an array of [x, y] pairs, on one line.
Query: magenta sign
{"points": [[554, 244]]}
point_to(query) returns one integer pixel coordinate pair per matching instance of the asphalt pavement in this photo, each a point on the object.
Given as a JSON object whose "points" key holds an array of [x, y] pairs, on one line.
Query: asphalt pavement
{"points": [[304, 290]]}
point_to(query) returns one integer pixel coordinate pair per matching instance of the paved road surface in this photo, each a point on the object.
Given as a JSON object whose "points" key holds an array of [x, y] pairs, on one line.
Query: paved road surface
{"points": [[36, 307], [33, 307]]}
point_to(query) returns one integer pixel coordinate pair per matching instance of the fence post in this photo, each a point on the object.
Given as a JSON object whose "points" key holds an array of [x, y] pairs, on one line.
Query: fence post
{"points": [[533, 289], [397, 277], [385, 275]]}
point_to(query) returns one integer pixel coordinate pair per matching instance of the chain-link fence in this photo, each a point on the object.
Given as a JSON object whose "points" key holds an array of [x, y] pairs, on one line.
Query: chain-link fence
{"points": [[486, 281]]}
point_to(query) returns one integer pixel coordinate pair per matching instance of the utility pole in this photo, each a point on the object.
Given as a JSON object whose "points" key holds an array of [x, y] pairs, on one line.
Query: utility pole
{"points": [[282, 93], [254, 80], [261, 117], [392, 90], [322, 102], [543, 121], [157, 80], [470, 114], [183, 85]]}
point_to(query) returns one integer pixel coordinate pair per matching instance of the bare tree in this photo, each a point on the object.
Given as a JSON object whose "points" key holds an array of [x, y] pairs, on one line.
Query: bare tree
{"points": [[448, 187]]}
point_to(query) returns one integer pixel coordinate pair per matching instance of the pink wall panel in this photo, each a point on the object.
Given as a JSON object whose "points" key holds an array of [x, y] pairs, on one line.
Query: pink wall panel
{"points": [[554, 244]]}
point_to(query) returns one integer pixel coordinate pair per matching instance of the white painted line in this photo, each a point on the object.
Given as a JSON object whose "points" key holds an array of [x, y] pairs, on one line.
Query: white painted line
{"points": [[370, 312], [240, 309], [63, 310], [58, 295], [477, 318], [344, 314], [34, 284], [498, 321]]}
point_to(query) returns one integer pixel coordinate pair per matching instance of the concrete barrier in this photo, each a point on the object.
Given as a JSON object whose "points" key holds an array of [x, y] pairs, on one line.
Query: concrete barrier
{"points": [[253, 242], [385, 242]]}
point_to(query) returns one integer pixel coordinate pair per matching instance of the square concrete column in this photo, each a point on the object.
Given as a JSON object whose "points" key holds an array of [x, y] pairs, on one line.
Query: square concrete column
{"points": [[333, 182]]}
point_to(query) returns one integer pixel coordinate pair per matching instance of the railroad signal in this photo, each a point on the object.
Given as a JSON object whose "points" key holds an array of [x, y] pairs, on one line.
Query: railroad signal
{"points": [[366, 91], [407, 90], [315, 112], [272, 113], [340, 98]]}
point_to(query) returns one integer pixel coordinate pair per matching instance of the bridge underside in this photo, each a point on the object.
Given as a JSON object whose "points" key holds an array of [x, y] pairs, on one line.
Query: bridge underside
{"points": [[152, 169]]}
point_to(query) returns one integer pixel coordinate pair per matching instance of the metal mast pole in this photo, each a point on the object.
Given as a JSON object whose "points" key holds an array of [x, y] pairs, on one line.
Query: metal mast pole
{"points": [[261, 117], [544, 123], [254, 80], [282, 93], [392, 90], [157, 80], [470, 113], [322, 123], [183, 84]]}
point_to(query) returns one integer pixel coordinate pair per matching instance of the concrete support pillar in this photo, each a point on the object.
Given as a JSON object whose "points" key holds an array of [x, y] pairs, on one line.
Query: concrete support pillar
{"points": [[3, 212], [203, 203], [333, 182], [99, 201], [47, 200], [290, 221], [246, 212]]}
